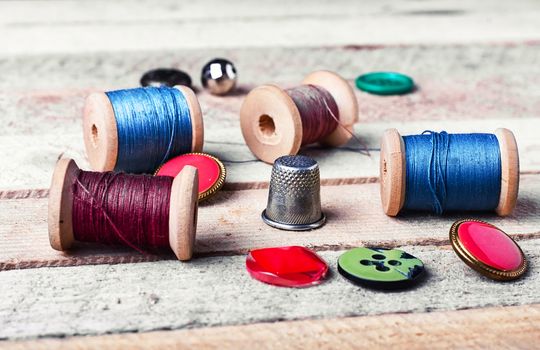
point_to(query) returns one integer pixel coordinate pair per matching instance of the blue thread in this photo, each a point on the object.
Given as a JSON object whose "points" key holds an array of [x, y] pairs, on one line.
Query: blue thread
{"points": [[452, 172], [153, 124]]}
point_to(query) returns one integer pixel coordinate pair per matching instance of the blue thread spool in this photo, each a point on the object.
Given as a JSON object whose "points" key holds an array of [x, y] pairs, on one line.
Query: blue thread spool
{"points": [[441, 172], [137, 130]]}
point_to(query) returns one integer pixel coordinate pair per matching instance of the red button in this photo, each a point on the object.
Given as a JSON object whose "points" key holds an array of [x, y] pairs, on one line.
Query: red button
{"points": [[286, 266], [490, 245], [211, 171]]}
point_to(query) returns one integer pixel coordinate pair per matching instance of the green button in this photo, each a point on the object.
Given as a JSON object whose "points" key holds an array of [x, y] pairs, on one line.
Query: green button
{"points": [[380, 268], [385, 83]]}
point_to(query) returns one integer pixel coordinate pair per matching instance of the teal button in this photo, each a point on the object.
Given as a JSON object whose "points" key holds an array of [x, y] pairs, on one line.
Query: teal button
{"points": [[385, 83]]}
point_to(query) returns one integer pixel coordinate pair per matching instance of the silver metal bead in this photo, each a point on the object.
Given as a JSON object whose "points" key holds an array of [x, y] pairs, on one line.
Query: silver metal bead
{"points": [[219, 76], [294, 200]]}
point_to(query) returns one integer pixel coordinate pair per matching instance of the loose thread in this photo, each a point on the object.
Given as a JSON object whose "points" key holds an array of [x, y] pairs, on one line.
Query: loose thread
{"points": [[452, 172], [121, 209]]}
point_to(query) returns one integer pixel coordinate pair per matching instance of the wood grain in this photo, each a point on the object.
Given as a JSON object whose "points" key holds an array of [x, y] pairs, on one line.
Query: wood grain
{"points": [[509, 328], [29, 160], [215, 291], [230, 224], [95, 26]]}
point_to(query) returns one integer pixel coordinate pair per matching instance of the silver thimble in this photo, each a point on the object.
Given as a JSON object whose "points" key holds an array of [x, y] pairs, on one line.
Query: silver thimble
{"points": [[294, 198]]}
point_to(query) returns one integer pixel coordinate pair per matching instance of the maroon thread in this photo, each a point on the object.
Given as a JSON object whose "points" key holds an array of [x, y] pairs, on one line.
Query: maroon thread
{"points": [[318, 111], [122, 209]]}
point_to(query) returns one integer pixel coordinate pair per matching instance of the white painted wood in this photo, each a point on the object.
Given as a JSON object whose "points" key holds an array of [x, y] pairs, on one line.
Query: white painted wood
{"points": [[91, 26], [29, 160], [218, 291], [230, 223]]}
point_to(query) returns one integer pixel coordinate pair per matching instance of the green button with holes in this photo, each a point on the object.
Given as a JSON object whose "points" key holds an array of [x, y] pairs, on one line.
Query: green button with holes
{"points": [[380, 268], [385, 83]]}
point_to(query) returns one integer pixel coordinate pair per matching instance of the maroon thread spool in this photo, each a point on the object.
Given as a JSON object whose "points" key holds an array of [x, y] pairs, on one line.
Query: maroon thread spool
{"points": [[277, 122], [65, 215]]}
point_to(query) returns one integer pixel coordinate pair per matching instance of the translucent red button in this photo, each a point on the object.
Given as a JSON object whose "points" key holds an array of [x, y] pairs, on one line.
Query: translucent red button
{"points": [[487, 249], [211, 171], [292, 266]]}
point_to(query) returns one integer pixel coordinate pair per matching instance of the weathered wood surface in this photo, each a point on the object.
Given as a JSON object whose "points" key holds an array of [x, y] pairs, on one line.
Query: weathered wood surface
{"points": [[42, 112], [30, 160], [230, 224], [215, 291], [60, 51], [90, 26], [511, 327]]}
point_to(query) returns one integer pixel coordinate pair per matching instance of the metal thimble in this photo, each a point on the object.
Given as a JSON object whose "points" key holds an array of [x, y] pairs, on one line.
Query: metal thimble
{"points": [[294, 198]]}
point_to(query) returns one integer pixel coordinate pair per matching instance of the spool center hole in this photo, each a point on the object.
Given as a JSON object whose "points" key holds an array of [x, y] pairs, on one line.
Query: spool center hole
{"points": [[94, 135], [267, 126]]}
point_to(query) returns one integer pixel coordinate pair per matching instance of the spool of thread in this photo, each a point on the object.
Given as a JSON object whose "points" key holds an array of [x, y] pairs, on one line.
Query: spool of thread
{"points": [[277, 122], [139, 211], [440, 172], [137, 130]]}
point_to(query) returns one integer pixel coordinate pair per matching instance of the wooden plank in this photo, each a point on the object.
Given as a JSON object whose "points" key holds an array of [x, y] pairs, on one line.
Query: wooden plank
{"points": [[509, 328], [230, 224], [466, 82], [217, 291], [474, 80], [29, 160], [38, 27]]}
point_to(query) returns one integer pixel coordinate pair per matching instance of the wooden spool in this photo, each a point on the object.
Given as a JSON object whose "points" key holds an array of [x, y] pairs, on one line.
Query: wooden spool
{"points": [[271, 123], [101, 136], [182, 214], [393, 168]]}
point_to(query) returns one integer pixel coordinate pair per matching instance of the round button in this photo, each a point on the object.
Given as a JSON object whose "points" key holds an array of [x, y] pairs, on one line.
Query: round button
{"points": [[165, 76], [380, 268], [385, 83], [211, 171], [488, 250]]}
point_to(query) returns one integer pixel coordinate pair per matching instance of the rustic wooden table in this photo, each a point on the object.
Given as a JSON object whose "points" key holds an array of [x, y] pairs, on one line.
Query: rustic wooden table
{"points": [[477, 65]]}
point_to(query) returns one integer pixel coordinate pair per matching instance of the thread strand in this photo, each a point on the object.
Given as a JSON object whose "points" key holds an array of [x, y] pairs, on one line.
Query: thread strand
{"points": [[121, 209], [153, 125], [452, 172]]}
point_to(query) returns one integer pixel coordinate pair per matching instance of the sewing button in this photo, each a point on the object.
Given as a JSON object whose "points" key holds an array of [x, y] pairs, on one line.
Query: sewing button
{"points": [[487, 249], [219, 76], [165, 76], [292, 266], [380, 268], [385, 83], [211, 171]]}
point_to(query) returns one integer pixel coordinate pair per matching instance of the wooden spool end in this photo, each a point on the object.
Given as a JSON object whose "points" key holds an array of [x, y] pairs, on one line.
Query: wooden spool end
{"points": [[99, 132], [509, 172], [61, 204], [271, 123], [101, 135], [183, 212], [195, 112], [392, 172], [346, 101]]}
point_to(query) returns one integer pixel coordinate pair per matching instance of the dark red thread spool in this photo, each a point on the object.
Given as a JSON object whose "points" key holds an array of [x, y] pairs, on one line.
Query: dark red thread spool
{"points": [[137, 211], [277, 122]]}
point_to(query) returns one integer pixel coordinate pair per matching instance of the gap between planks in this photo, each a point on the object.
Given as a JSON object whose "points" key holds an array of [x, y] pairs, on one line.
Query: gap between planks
{"points": [[218, 291], [509, 327], [27, 172], [37, 27], [230, 224]]}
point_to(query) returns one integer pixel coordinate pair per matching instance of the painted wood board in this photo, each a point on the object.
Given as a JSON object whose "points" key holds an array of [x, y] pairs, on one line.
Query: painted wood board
{"points": [[94, 26], [509, 327], [29, 160], [230, 224], [216, 291]]}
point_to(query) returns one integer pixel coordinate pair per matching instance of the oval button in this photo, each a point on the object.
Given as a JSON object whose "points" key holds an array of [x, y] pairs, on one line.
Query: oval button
{"points": [[487, 249]]}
